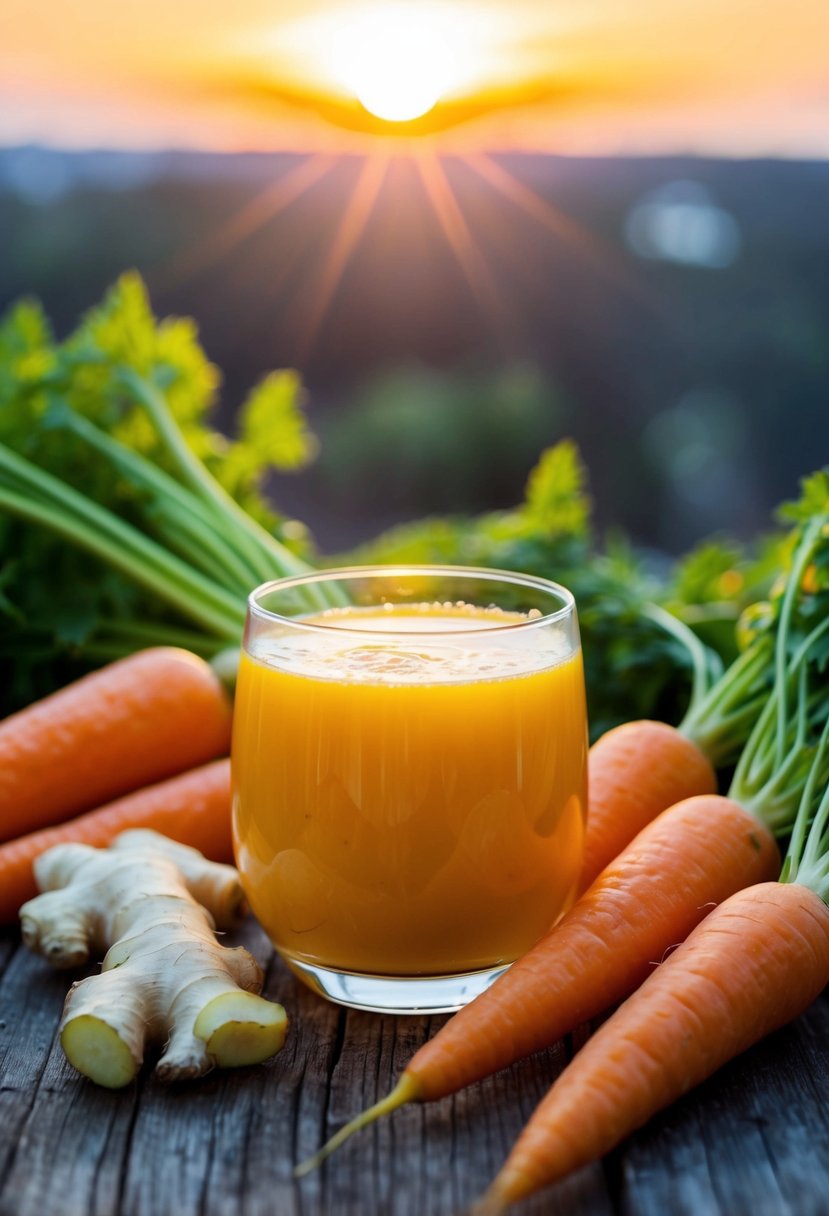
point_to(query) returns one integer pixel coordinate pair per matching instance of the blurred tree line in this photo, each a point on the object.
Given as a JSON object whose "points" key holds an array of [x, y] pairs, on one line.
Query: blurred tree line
{"points": [[669, 315]]}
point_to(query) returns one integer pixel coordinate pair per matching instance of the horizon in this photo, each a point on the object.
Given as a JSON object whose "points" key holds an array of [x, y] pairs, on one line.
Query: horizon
{"points": [[171, 150], [632, 203], [595, 79]]}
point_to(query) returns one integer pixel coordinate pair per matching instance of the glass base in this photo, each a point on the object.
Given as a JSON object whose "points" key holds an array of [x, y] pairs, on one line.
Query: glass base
{"points": [[396, 994]]}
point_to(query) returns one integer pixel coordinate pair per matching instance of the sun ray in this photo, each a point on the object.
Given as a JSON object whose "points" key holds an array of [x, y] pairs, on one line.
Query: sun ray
{"points": [[261, 209], [349, 230], [601, 256], [463, 245]]}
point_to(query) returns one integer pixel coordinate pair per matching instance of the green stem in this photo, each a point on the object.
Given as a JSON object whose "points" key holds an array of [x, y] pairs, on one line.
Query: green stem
{"points": [[801, 654], [91, 519], [157, 633], [197, 534], [815, 845], [770, 790], [699, 654], [807, 858], [804, 554], [201, 551], [127, 550], [757, 757], [270, 558], [721, 721], [776, 768]]}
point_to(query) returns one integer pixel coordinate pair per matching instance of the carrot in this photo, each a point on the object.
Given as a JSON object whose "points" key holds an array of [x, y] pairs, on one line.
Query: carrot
{"points": [[640, 768], [635, 771], [691, 857], [193, 808], [754, 964], [138, 720]]}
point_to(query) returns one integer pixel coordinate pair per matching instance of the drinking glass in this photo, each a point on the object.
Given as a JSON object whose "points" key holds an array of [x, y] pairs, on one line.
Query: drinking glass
{"points": [[409, 776]]}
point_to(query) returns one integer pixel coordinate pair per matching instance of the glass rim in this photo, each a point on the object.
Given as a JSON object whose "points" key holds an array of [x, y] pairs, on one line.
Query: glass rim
{"points": [[343, 573]]}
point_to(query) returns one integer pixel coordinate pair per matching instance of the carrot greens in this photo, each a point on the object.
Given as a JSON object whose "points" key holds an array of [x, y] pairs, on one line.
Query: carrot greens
{"points": [[126, 519], [776, 633], [104, 445]]}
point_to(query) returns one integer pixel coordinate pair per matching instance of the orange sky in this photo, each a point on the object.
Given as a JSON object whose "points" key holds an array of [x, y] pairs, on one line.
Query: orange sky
{"points": [[737, 77]]}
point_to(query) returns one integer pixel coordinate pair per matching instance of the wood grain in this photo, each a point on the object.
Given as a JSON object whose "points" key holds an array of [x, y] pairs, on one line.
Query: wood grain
{"points": [[754, 1141]]}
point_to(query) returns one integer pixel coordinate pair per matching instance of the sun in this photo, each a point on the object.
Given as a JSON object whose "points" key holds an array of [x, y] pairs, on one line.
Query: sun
{"points": [[395, 61]]}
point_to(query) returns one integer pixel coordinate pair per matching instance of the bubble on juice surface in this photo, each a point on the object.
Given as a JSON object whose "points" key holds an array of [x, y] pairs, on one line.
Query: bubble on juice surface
{"points": [[414, 644], [389, 664], [427, 615]]}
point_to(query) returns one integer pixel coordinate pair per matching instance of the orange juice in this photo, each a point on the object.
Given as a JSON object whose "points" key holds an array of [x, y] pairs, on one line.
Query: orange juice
{"points": [[410, 805]]}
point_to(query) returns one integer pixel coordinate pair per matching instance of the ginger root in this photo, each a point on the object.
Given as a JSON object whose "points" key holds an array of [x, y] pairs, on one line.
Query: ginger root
{"points": [[165, 978]]}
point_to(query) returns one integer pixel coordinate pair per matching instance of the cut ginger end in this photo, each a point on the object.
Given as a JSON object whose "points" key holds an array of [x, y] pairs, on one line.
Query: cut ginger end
{"points": [[240, 1028], [98, 1051]]}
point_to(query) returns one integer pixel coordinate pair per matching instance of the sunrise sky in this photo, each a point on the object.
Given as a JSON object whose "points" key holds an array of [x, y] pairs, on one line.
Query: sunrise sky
{"points": [[732, 77]]}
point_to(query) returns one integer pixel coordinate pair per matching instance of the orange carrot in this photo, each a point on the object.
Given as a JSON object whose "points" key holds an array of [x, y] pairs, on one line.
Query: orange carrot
{"points": [[141, 719], [193, 807], [686, 861], [691, 857], [640, 768], [757, 962], [635, 771], [649, 899]]}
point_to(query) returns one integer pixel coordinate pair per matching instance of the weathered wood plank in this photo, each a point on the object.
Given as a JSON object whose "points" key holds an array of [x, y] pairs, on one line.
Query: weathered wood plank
{"points": [[70, 1148], [8, 946], [228, 1144], [29, 1013], [754, 1141], [54, 1128]]}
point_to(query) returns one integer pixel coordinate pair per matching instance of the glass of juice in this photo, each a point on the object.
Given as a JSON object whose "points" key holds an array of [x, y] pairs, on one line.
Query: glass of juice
{"points": [[409, 776]]}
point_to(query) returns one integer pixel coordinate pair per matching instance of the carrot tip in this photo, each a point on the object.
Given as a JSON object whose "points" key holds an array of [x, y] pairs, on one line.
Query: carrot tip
{"points": [[489, 1204], [406, 1090]]}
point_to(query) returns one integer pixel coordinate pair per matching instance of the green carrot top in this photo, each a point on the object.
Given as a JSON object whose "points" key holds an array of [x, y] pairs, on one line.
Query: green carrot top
{"points": [[785, 761], [722, 714]]}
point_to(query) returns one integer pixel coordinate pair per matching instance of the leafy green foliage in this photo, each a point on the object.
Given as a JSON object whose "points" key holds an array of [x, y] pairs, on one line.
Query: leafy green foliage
{"points": [[814, 498], [718, 581], [557, 499], [808, 514], [113, 428], [70, 409], [273, 433], [633, 667], [811, 512]]}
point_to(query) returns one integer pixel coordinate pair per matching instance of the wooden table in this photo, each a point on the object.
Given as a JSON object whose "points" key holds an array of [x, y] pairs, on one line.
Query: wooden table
{"points": [[752, 1142]]}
